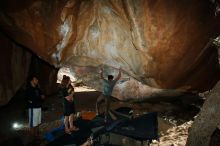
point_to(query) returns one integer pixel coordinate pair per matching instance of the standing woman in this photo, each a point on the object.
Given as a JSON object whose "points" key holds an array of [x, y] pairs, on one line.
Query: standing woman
{"points": [[67, 92]]}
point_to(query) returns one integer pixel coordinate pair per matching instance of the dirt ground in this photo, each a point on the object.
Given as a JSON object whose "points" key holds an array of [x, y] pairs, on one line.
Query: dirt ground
{"points": [[175, 118]]}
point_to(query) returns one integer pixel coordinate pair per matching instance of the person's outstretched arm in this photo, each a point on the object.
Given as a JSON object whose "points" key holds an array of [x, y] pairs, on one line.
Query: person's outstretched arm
{"points": [[119, 75]]}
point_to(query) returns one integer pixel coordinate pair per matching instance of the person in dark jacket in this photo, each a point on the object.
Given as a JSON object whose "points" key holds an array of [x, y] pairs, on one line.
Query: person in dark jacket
{"points": [[67, 92], [35, 98]]}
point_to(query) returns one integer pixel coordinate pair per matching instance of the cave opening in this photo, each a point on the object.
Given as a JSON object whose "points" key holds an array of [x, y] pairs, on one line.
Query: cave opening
{"points": [[77, 83]]}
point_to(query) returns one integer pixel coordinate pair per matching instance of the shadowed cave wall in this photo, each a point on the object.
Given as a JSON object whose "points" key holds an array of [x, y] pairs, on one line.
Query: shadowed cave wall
{"points": [[16, 64]]}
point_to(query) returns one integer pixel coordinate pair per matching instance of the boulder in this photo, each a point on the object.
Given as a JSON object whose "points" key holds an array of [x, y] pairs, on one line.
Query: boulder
{"points": [[163, 47]]}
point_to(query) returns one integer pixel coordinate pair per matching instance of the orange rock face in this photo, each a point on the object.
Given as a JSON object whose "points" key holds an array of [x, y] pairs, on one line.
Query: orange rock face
{"points": [[160, 45]]}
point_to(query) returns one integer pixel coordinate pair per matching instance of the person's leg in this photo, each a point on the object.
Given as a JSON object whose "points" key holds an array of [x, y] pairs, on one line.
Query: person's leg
{"points": [[107, 105], [71, 120], [87, 143], [66, 117], [37, 113], [36, 135], [66, 124], [99, 100], [32, 121]]}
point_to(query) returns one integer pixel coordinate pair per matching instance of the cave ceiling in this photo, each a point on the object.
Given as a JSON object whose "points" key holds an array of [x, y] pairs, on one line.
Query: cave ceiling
{"points": [[163, 47]]}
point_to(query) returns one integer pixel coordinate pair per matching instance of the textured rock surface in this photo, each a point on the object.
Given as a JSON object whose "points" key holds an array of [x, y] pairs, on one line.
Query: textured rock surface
{"points": [[160, 45], [14, 66], [207, 121]]}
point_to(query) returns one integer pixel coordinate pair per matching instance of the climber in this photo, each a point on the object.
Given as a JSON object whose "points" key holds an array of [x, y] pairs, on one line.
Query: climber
{"points": [[108, 86]]}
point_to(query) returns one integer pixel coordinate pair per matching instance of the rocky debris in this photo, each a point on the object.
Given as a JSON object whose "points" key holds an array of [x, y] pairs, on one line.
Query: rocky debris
{"points": [[175, 136]]}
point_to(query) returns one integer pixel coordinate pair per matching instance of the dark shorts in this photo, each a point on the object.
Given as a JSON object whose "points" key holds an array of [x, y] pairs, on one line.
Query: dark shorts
{"points": [[69, 108]]}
